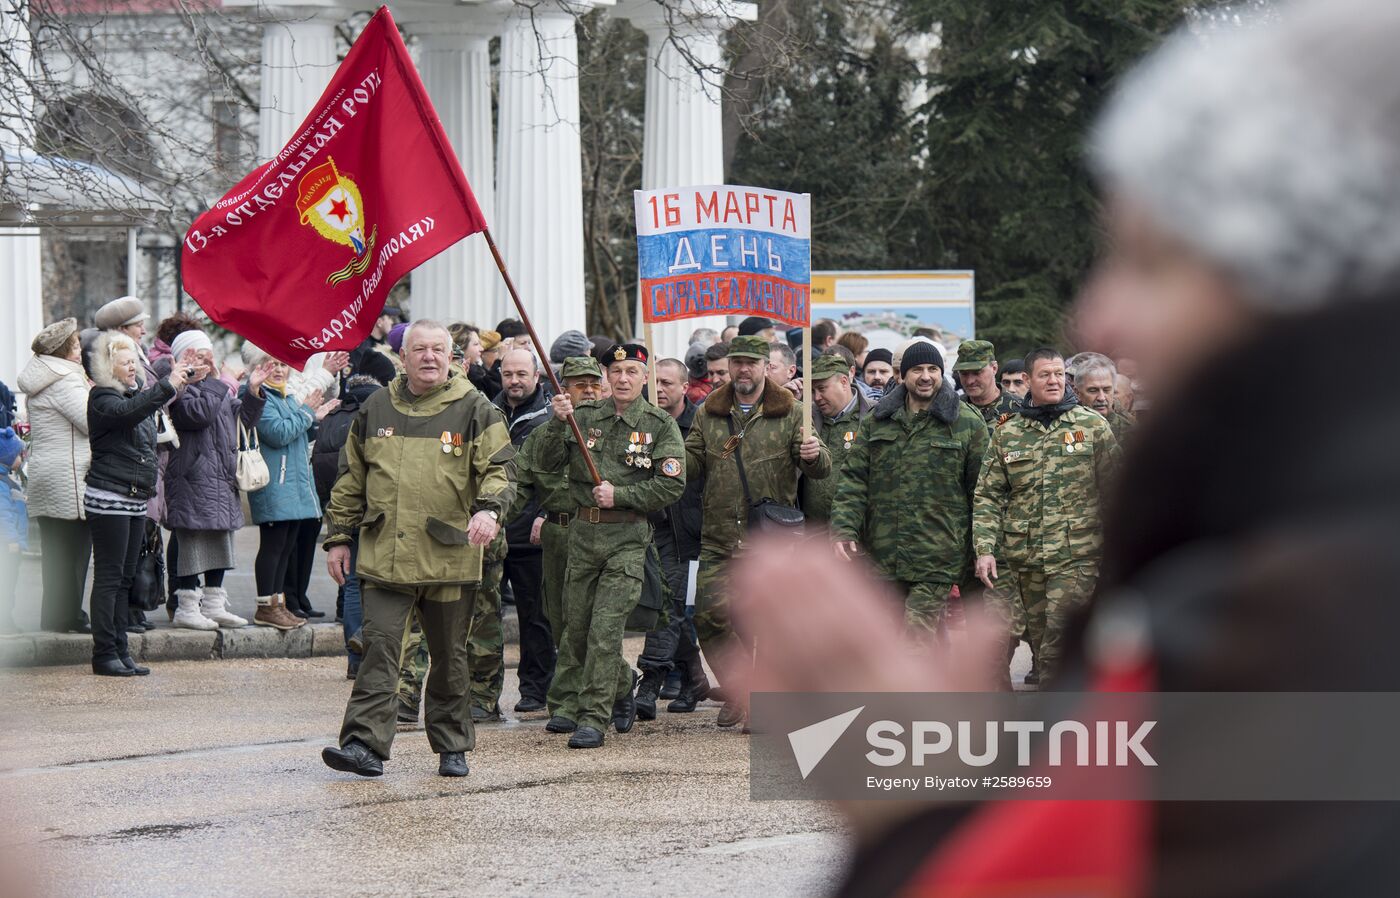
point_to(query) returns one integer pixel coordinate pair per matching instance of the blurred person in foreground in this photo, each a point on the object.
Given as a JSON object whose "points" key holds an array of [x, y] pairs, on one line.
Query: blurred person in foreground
{"points": [[1242, 223]]}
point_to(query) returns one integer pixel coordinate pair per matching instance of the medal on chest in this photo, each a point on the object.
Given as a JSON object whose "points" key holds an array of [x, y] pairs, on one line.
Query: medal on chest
{"points": [[638, 453], [594, 434], [451, 443], [850, 438]]}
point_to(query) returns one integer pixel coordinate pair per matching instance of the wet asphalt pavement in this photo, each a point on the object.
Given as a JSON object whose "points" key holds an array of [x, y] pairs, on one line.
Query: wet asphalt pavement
{"points": [[205, 779]]}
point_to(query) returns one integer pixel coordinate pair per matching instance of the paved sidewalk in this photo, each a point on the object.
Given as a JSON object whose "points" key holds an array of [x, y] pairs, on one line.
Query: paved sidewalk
{"points": [[321, 637]]}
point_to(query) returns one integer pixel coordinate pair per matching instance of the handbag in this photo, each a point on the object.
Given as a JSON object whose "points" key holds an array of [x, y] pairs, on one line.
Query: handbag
{"points": [[165, 430], [148, 586], [765, 515], [252, 473]]}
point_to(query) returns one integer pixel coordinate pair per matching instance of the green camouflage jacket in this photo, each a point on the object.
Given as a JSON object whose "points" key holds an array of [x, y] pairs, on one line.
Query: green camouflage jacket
{"points": [[838, 435], [410, 500], [772, 442], [639, 452], [533, 481], [1008, 405], [1038, 496], [905, 492]]}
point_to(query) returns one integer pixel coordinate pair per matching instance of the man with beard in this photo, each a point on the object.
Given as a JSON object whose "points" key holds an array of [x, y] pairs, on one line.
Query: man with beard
{"points": [[878, 372], [755, 421], [977, 371], [1037, 503], [904, 495]]}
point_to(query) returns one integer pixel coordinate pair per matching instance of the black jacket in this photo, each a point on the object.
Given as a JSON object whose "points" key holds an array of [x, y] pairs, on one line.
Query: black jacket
{"points": [[679, 522], [331, 437], [122, 433], [521, 422]]}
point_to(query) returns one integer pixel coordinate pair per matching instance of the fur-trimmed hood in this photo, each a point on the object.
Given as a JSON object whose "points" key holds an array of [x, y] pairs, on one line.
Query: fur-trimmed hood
{"points": [[944, 407], [106, 343], [777, 401]]}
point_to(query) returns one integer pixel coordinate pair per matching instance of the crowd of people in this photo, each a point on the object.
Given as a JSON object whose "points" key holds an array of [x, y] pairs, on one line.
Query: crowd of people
{"points": [[960, 480]]}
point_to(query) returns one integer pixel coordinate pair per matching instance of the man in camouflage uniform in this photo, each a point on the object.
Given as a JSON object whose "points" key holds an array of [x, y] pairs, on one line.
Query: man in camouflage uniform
{"points": [[1037, 503], [425, 477], [753, 418], [639, 455], [837, 411], [980, 376], [977, 372], [904, 495], [582, 380]]}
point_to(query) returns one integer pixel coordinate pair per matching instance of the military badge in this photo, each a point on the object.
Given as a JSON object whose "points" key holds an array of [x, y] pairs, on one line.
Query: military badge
{"points": [[619, 354], [671, 467], [593, 435], [329, 202]]}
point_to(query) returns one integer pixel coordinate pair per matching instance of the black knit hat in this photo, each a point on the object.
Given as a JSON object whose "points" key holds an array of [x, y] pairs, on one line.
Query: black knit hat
{"points": [[880, 355], [920, 353]]}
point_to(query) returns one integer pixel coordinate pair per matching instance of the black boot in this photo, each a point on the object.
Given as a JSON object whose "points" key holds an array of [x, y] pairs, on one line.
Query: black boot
{"points": [[135, 668], [586, 737], [353, 757], [624, 712], [112, 668], [672, 689], [452, 763], [648, 692]]}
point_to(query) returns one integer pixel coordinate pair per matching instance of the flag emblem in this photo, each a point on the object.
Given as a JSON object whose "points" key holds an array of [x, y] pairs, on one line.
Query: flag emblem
{"points": [[330, 203]]}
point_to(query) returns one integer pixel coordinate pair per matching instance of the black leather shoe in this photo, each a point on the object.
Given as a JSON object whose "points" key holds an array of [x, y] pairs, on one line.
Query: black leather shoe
{"points": [[297, 612], [135, 628], [528, 704], [624, 712], [112, 668], [730, 715], [312, 612], [135, 668], [148, 625], [671, 690], [685, 703], [586, 737], [648, 691], [353, 757], [452, 763], [481, 715], [559, 724], [81, 627]]}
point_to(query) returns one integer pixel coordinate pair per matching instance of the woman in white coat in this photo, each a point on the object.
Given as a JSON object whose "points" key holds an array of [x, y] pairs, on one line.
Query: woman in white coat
{"points": [[56, 390]]}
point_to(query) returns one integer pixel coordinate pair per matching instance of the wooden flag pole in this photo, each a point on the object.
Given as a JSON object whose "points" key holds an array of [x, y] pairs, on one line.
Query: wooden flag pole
{"points": [[807, 382], [539, 348], [650, 337]]}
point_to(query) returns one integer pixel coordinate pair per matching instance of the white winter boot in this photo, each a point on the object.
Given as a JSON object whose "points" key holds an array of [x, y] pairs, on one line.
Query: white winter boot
{"points": [[213, 604], [187, 615]]}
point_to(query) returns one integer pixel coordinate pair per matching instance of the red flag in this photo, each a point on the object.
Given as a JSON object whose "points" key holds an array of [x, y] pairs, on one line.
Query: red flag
{"points": [[299, 256]]}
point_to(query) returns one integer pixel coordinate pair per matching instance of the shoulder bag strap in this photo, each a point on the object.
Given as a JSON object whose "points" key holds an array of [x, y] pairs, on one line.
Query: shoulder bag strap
{"points": [[739, 460]]}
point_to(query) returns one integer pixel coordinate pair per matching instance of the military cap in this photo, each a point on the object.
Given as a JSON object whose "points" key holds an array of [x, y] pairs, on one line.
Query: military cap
{"points": [[749, 347], [120, 313], [52, 338], [829, 365], [626, 352], [580, 366], [974, 355]]}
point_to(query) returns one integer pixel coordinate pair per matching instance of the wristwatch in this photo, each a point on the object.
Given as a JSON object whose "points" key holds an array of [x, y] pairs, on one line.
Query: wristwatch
{"points": [[494, 515]]}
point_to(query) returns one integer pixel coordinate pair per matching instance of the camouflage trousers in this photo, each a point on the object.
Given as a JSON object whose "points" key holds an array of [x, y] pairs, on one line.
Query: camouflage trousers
{"points": [[925, 606], [370, 714], [1050, 597], [485, 646], [712, 625], [601, 587]]}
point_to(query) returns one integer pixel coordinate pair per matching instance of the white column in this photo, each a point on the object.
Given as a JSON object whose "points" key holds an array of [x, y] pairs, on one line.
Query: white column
{"points": [[21, 280], [298, 58], [540, 186], [683, 137], [461, 284]]}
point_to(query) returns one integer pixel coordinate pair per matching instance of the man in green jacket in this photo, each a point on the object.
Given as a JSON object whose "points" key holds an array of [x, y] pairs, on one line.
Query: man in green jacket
{"points": [[905, 493], [1037, 503], [838, 410], [758, 421], [425, 477], [639, 455]]}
